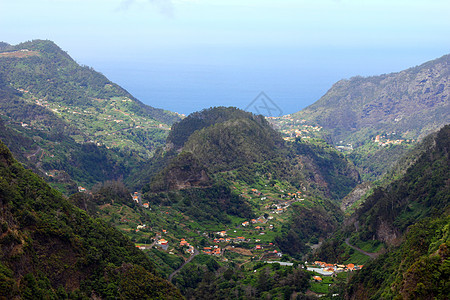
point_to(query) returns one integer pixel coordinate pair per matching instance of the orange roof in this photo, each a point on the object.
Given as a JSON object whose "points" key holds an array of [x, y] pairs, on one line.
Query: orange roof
{"points": [[317, 278], [350, 266]]}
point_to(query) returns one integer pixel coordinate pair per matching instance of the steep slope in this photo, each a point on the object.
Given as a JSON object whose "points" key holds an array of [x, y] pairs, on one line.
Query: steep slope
{"points": [[50, 249], [414, 102], [44, 75], [43, 142], [64, 113], [423, 191], [382, 115], [417, 269], [408, 216]]}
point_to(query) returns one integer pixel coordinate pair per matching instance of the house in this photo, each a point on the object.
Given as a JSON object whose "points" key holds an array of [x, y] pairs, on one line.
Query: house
{"points": [[190, 250], [183, 242], [258, 247], [81, 189], [239, 239], [222, 233], [141, 226], [162, 242], [146, 205], [246, 223], [317, 278], [216, 252]]}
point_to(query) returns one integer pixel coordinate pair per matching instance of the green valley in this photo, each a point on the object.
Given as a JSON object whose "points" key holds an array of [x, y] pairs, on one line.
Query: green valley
{"points": [[112, 199]]}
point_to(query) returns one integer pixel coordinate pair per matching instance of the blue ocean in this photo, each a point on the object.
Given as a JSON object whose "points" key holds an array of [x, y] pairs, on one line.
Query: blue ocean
{"points": [[188, 88]]}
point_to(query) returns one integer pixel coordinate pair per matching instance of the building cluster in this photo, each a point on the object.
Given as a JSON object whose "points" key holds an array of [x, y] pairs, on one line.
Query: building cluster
{"points": [[383, 140], [327, 269], [216, 250], [190, 249]]}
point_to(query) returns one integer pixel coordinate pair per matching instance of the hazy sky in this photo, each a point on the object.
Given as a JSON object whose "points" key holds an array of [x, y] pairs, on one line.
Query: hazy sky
{"points": [[161, 50]]}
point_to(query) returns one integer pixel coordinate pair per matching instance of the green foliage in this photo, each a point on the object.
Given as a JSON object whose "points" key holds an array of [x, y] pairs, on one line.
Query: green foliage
{"points": [[306, 225], [417, 269], [339, 175], [54, 74], [59, 246], [206, 205], [200, 281], [63, 117], [421, 192], [181, 131]]}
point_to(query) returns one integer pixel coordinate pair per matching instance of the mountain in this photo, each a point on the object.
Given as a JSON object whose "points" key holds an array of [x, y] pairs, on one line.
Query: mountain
{"points": [[215, 157], [413, 102], [389, 111], [73, 125], [51, 249], [406, 221]]}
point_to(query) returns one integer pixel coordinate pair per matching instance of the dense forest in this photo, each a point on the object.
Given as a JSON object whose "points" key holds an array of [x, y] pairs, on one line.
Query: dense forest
{"points": [[50, 249], [409, 215]]}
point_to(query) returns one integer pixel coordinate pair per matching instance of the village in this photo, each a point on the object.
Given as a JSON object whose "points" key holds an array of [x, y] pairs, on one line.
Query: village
{"points": [[292, 128], [391, 138], [327, 269]]}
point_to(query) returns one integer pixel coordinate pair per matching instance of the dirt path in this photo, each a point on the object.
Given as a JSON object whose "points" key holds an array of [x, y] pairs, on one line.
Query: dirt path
{"points": [[371, 255], [186, 262], [33, 154]]}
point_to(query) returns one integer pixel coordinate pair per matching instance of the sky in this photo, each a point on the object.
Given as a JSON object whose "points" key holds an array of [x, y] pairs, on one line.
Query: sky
{"points": [[186, 55]]}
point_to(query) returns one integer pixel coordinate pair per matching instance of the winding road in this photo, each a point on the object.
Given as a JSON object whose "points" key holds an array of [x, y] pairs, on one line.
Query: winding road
{"points": [[371, 255], [186, 262]]}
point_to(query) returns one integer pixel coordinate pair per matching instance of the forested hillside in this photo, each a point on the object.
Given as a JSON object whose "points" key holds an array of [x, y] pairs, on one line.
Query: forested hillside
{"points": [[69, 123], [406, 220], [50, 249]]}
